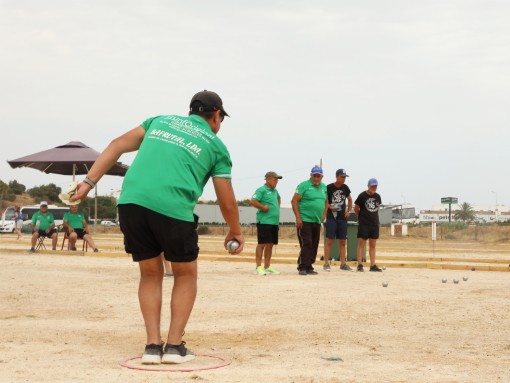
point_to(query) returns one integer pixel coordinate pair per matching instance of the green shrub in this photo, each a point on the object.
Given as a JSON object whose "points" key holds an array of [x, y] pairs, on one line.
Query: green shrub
{"points": [[202, 229]]}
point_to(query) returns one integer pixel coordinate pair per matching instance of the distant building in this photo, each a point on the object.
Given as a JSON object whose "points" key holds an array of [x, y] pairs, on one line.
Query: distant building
{"points": [[483, 214], [211, 214]]}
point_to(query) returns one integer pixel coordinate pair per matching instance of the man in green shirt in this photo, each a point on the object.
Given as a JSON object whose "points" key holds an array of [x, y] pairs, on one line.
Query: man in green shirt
{"points": [[43, 225], [309, 207], [176, 157], [267, 202], [76, 227]]}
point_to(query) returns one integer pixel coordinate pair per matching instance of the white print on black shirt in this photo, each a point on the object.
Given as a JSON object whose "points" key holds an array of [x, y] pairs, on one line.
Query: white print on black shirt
{"points": [[371, 205], [338, 198]]}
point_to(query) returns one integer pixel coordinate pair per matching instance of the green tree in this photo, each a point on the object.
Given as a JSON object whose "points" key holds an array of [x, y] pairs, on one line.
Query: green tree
{"points": [[16, 187], [48, 192], [6, 192], [106, 207], [466, 213], [244, 202]]}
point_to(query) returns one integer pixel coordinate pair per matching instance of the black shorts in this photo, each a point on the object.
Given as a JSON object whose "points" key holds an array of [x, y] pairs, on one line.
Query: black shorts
{"points": [[336, 229], [42, 233], [368, 231], [147, 234], [79, 232], [267, 234]]}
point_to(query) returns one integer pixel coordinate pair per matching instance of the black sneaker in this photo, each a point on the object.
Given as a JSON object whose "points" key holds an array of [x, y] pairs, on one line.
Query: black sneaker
{"points": [[32, 250], [152, 354], [73, 248], [177, 354], [375, 268], [96, 250], [311, 272], [360, 267], [302, 272]]}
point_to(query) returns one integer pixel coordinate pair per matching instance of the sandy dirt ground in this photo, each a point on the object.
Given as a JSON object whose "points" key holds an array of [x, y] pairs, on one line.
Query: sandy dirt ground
{"points": [[71, 318]]}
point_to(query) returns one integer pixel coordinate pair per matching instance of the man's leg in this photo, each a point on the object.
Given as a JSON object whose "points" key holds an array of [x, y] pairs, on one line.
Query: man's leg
{"points": [[305, 242], [361, 245], [54, 239], [258, 254], [371, 250], [72, 240], [88, 238], [184, 293], [34, 239], [343, 251], [268, 252], [316, 238], [150, 297], [327, 250]]}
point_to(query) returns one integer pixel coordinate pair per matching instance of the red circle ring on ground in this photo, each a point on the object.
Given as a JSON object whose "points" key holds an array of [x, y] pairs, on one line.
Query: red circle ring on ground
{"points": [[223, 362]]}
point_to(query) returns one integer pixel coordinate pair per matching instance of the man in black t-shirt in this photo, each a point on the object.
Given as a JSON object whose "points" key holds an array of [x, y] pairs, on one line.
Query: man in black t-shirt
{"points": [[366, 208], [336, 218]]}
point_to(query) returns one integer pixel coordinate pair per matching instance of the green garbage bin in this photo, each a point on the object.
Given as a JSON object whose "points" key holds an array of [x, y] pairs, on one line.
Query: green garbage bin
{"points": [[352, 242]]}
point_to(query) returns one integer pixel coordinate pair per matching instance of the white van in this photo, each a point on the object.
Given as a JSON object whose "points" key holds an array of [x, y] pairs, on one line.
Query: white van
{"points": [[7, 224]]}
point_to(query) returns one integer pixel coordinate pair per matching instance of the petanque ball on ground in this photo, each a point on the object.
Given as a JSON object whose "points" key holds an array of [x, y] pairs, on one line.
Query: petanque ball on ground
{"points": [[444, 280], [455, 281], [385, 284], [473, 268], [464, 278]]}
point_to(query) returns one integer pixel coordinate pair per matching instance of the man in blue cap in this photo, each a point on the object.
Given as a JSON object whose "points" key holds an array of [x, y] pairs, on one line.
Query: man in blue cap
{"points": [[366, 208], [309, 206]]}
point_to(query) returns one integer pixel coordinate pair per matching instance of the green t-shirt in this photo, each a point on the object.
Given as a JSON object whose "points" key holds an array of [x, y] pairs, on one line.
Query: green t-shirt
{"points": [[311, 206], [75, 220], [45, 221], [177, 157], [267, 196]]}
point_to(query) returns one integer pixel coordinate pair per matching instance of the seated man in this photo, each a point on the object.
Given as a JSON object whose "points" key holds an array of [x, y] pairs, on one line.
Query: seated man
{"points": [[76, 227], [43, 225]]}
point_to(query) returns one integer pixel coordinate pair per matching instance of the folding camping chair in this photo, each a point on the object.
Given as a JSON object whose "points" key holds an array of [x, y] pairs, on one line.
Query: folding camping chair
{"points": [[84, 248], [40, 243]]}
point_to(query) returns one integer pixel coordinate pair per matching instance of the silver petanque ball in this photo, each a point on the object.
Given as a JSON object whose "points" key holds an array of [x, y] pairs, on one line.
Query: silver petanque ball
{"points": [[455, 281], [464, 278], [232, 246], [385, 284], [444, 280]]}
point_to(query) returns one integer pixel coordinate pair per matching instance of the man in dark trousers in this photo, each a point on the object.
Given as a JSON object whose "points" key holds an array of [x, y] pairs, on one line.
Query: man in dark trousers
{"points": [[308, 205]]}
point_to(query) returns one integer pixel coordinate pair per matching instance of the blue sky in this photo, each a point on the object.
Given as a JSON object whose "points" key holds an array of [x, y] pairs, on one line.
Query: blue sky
{"points": [[413, 93]]}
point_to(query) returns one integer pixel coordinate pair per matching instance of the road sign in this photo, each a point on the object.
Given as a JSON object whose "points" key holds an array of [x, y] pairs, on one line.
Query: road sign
{"points": [[449, 200]]}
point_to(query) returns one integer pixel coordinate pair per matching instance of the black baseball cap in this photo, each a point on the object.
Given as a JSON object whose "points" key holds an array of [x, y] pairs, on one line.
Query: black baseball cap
{"points": [[341, 172], [206, 101]]}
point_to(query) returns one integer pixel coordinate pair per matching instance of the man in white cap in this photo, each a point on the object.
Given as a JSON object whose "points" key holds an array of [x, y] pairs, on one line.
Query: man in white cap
{"points": [[43, 225], [267, 202], [366, 208]]}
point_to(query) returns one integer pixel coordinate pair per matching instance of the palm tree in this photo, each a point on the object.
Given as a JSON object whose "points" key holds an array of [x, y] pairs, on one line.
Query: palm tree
{"points": [[466, 213]]}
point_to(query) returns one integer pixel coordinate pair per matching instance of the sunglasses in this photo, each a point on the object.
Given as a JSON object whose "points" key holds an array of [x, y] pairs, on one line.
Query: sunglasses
{"points": [[316, 175]]}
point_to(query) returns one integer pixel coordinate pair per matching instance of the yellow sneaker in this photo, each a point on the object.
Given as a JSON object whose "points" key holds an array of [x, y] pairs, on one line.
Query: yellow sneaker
{"points": [[260, 271], [271, 270]]}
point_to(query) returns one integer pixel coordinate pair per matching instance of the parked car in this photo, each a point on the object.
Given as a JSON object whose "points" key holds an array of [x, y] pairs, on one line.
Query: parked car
{"points": [[108, 223]]}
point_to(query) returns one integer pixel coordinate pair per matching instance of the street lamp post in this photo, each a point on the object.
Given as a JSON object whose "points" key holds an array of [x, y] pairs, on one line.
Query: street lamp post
{"points": [[496, 212]]}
